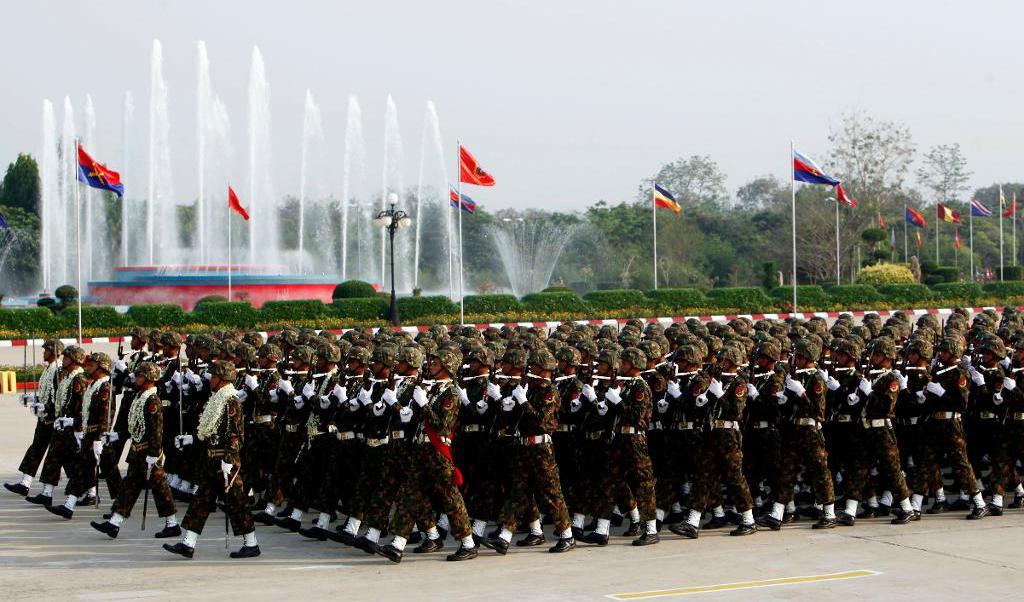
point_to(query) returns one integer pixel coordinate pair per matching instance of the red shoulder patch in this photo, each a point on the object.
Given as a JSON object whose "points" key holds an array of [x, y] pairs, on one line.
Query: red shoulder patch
{"points": [[963, 382], [695, 391], [740, 391], [153, 406], [894, 386], [819, 388]]}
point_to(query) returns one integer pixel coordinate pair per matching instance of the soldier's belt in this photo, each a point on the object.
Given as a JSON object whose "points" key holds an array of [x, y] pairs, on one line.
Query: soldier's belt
{"points": [[139, 446], [684, 426], [166, 403], [987, 415], [760, 424], [946, 415], [629, 430], [472, 428], [1018, 416], [595, 435], [424, 439], [566, 428], [843, 418], [377, 442], [345, 435], [92, 429], [292, 428], [215, 453], [876, 423], [263, 419], [725, 424], [655, 426], [536, 440], [507, 433], [398, 434], [910, 420], [805, 422]]}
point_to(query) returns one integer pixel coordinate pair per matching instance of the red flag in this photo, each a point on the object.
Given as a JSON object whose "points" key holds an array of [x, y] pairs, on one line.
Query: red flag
{"points": [[958, 238], [1012, 208], [235, 205], [881, 222], [842, 198], [470, 171], [918, 234]]}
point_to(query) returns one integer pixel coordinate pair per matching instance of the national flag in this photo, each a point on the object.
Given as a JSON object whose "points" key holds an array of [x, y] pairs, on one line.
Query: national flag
{"points": [[468, 204], [235, 205], [892, 238], [979, 210], [3, 222], [918, 235], [1012, 209], [1002, 198], [96, 175], [664, 199], [881, 222], [806, 170], [957, 239], [842, 198], [470, 171], [914, 218], [946, 214]]}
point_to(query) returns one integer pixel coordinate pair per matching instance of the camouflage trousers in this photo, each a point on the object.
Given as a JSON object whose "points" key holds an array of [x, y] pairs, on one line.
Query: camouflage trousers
{"points": [[348, 465], [908, 438], [665, 483], [259, 452], [804, 446], [877, 448], [83, 476], [62, 454], [722, 465], [533, 481], [315, 474], [430, 484], [475, 455], [761, 458], [629, 467], [1009, 449], [567, 460], [135, 481], [394, 465], [842, 440], [985, 437], [110, 461], [285, 469], [37, 449], [172, 425], [211, 487], [367, 479], [942, 444]]}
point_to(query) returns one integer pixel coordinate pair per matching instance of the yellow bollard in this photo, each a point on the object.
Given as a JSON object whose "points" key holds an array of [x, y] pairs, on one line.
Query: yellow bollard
{"points": [[8, 382]]}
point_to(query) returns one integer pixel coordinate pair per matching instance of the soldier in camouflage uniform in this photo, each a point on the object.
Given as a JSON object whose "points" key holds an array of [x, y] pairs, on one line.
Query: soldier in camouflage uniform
{"points": [[220, 434], [565, 438], [145, 423], [116, 438], [41, 402], [761, 446], [471, 447], [263, 434], [911, 413], [682, 437], [352, 399], [1010, 449], [988, 415], [843, 409], [169, 348]]}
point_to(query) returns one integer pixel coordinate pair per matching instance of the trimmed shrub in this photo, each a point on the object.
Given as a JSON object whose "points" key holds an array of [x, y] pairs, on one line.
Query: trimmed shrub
{"points": [[853, 296], [362, 308], [31, 320], [885, 273], [226, 313], [744, 298], [1006, 288], [410, 308], [66, 293], [807, 295], [93, 316], [947, 273], [1013, 272], [905, 293], [957, 290], [492, 304], [615, 299], [304, 309], [558, 289], [677, 298], [211, 299], [354, 289], [157, 315], [554, 302]]}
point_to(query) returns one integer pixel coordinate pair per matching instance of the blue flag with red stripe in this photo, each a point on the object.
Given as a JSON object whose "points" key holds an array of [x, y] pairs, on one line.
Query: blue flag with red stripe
{"points": [[468, 204]]}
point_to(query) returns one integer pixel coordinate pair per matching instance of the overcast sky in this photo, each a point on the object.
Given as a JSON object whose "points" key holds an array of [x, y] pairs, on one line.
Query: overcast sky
{"points": [[565, 102]]}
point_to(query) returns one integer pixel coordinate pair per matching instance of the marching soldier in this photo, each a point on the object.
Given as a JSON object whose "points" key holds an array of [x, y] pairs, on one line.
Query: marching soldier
{"points": [[761, 446], [42, 405]]}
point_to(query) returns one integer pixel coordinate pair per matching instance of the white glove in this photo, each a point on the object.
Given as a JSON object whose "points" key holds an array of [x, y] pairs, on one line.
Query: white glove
{"points": [[902, 380], [589, 392], [795, 386], [243, 395], [226, 468], [481, 407], [250, 382], [575, 404], [38, 409], [602, 408], [831, 383], [614, 395], [28, 398], [389, 397], [419, 396], [463, 395], [131, 377], [168, 387], [78, 437], [780, 397], [339, 392], [299, 402], [674, 390], [852, 399], [865, 386], [507, 404], [1009, 384], [97, 448], [325, 402], [405, 414], [752, 391], [183, 440], [273, 395], [715, 388], [353, 405], [120, 366], [193, 377], [920, 396], [176, 378], [1005, 362], [150, 461], [519, 394], [935, 389], [701, 400], [977, 378], [997, 398], [207, 376], [365, 397], [662, 406], [378, 408], [308, 391], [967, 360], [186, 389], [285, 386], [823, 373], [68, 422], [110, 437], [493, 391]]}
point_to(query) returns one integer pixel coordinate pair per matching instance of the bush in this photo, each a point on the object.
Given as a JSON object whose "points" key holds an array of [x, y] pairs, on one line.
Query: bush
{"points": [[157, 315], [32, 321], [678, 298], [554, 302], [1013, 272], [558, 289], [93, 316], [410, 308], [947, 273], [957, 290], [885, 273], [853, 296], [1006, 288], [615, 299], [282, 311], [354, 289], [66, 293], [211, 299], [226, 313], [905, 293], [743, 298], [492, 304], [362, 308], [807, 295]]}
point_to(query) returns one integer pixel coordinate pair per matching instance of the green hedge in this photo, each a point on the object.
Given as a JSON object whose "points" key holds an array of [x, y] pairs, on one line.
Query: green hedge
{"points": [[93, 316], [361, 308], [678, 298], [957, 290], [615, 299], [157, 315], [29, 320], [806, 295], [226, 313], [1007, 288], [410, 308], [554, 302], [492, 304], [850, 296], [905, 293], [354, 289], [305, 309], [744, 298], [948, 273]]}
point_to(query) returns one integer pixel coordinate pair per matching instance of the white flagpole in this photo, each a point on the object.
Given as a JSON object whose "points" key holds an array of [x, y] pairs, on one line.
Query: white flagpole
{"points": [[654, 215], [906, 249], [970, 225], [78, 235], [837, 240], [451, 247], [1000, 232], [1014, 205], [229, 250], [937, 220], [458, 194], [792, 191]]}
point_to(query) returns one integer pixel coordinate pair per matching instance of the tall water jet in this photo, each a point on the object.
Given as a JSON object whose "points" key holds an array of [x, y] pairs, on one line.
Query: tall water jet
{"points": [[529, 250], [202, 102], [312, 134], [393, 183], [127, 116], [69, 207], [160, 202], [89, 141], [49, 181], [262, 226], [431, 140], [218, 160], [353, 175]]}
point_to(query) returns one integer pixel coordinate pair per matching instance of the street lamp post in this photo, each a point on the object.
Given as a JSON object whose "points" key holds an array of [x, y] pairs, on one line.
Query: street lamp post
{"points": [[393, 220]]}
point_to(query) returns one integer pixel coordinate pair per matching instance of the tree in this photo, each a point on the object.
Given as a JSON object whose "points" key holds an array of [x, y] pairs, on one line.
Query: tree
{"points": [[763, 192], [693, 181], [20, 187], [944, 172], [19, 251], [872, 158]]}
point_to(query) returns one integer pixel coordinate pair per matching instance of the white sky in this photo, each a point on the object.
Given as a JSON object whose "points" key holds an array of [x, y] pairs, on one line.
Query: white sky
{"points": [[565, 102]]}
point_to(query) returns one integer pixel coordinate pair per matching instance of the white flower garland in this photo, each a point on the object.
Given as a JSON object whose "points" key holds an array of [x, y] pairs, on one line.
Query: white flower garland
{"points": [[94, 388], [46, 383], [137, 415], [313, 421], [214, 411], [64, 391]]}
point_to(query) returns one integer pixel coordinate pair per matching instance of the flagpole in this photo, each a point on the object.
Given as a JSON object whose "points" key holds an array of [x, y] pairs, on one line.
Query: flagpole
{"points": [[451, 248], [78, 235], [906, 249], [837, 240], [1000, 232], [229, 249], [970, 227], [937, 241], [792, 192], [462, 291], [654, 215], [1014, 205]]}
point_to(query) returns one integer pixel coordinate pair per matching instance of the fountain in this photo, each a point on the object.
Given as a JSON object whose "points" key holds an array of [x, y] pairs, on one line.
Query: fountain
{"points": [[529, 250], [52, 224], [431, 141], [353, 176], [393, 183]]}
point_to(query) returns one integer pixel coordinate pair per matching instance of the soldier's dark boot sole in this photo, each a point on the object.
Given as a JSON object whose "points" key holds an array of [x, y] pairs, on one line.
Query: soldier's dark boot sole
{"points": [[40, 499], [391, 553], [61, 511], [246, 552], [106, 528], [685, 530], [316, 533], [978, 514], [180, 549], [429, 546], [168, 532], [770, 522], [17, 488], [497, 544], [595, 538], [742, 530], [263, 518], [563, 545], [463, 554], [647, 539], [825, 523], [530, 541]]}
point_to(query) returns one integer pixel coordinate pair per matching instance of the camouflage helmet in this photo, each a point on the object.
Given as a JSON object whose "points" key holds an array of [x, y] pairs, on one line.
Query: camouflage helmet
{"points": [[922, 346], [253, 338], [731, 354], [170, 339], [384, 355], [450, 359], [848, 346], [138, 333], [651, 349], [570, 355], [245, 353], [952, 345], [515, 356], [54, 345], [360, 354], [303, 353], [809, 348], [289, 337], [480, 353], [102, 361], [224, 370], [691, 354], [148, 371], [884, 345], [270, 351], [769, 349], [609, 356], [635, 356], [328, 352], [994, 345], [203, 341], [75, 353], [410, 355], [542, 359]]}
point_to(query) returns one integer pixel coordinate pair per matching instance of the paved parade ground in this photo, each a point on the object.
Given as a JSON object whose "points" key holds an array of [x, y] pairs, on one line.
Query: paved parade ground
{"points": [[945, 557]]}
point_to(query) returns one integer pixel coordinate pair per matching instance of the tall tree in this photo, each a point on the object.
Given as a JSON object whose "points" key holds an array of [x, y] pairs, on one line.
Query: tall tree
{"points": [[872, 157], [944, 172], [20, 187], [696, 180]]}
